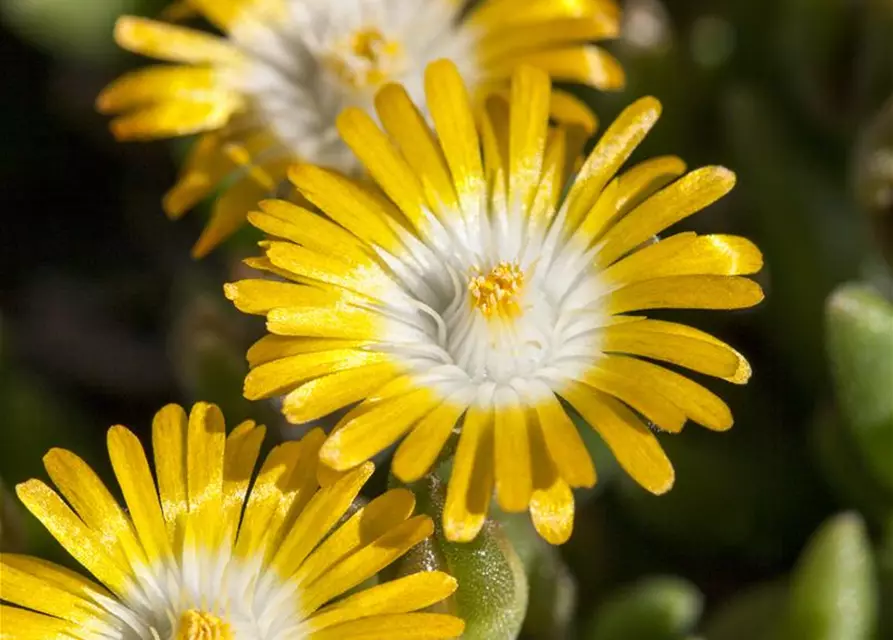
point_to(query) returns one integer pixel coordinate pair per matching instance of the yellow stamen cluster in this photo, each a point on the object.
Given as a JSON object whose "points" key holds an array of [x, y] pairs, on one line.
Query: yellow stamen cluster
{"points": [[367, 59], [198, 625], [495, 292]]}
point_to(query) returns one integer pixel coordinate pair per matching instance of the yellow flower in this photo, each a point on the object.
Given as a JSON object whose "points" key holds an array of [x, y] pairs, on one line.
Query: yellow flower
{"points": [[204, 557], [270, 91], [477, 297]]}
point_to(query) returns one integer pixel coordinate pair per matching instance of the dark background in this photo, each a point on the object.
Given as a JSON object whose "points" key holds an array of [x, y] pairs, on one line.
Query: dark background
{"points": [[104, 317]]}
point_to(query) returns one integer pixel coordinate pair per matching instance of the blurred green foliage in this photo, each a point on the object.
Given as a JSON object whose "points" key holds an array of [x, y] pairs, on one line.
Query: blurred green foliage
{"points": [[106, 319]]}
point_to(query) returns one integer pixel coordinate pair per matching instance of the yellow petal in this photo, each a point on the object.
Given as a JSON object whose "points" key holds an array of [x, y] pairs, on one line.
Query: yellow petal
{"points": [[566, 448], [160, 83], [496, 12], [316, 520], [530, 102], [222, 13], [552, 511], [205, 443], [551, 186], [136, 482], [742, 369], [364, 527], [228, 214], [30, 625], [635, 447], [450, 107], [368, 280], [180, 118], [471, 482], [406, 126], [586, 64], [204, 168], [366, 562], [347, 203], [636, 393], [318, 398], [504, 43], [365, 435], [176, 44], [285, 220], [242, 450], [260, 522], [570, 112], [89, 497], [644, 338], [610, 153], [384, 163], [698, 403], [631, 188], [410, 593], [74, 536], [343, 321], [495, 119], [514, 483], [686, 292], [262, 296], [169, 449], [690, 255], [32, 583], [419, 450], [691, 193], [401, 626], [273, 347], [279, 376]]}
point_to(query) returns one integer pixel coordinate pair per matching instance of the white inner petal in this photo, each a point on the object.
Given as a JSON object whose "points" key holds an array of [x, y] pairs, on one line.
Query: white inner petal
{"points": [[299, 78], [250, 598], [551, 336]]}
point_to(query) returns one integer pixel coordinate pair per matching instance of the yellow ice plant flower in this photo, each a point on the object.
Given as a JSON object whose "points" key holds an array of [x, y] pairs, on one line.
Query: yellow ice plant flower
{"points": [[270, 90], [206, 555], [470, 294]]}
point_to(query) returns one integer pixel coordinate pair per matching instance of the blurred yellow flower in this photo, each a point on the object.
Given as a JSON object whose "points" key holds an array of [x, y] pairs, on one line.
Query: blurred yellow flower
{"points": [[269, 92], [205, 556], [471, 294]]}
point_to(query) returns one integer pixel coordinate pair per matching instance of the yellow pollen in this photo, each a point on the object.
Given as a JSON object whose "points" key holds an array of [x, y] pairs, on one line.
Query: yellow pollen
{"points": [[494, 293], [198, 625], [367, 59]]}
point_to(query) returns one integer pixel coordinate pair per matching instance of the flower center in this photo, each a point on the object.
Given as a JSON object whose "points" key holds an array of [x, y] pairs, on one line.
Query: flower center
{"points": [[367, 59], [199, 625], [495, 293]]}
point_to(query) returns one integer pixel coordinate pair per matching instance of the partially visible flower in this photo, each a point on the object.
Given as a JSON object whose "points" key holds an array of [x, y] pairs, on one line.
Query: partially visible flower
{"points": [[474, 295], [270, 91], [208, 556]]}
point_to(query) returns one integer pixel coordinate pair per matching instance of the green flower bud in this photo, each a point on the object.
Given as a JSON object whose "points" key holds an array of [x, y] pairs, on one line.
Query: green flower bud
{"points": [[860, 345], [833, 587], [659, 608], [492, 594], [553, 590]]}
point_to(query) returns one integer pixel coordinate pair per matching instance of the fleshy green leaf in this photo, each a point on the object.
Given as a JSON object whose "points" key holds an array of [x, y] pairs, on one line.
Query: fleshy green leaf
{"points": [[659, 608], [833, 587], [860, 346]]}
